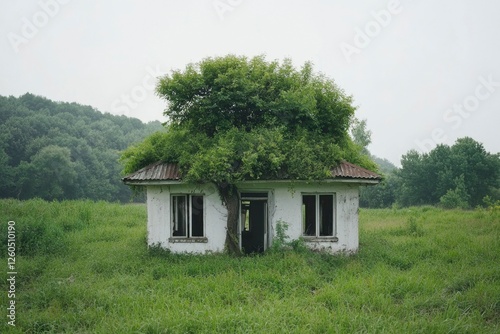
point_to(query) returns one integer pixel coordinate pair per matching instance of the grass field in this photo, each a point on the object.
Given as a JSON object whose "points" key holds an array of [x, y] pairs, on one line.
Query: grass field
{"points": [[83, 267]]}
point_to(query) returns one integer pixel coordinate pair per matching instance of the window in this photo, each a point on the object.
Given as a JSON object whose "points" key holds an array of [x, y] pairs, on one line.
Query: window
{"points": [[318, 218], [187, 216]]}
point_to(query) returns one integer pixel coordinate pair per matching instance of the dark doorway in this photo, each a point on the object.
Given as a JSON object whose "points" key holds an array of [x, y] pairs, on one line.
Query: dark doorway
{"points": [[253, 222]]}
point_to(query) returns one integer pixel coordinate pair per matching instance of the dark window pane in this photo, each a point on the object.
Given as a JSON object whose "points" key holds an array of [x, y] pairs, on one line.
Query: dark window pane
{"points": [[309, 214], [326, 215], [197, 216]]}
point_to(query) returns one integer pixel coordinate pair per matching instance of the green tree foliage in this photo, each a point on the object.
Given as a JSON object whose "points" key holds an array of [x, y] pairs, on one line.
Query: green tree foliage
{"points": [[459, 176], [219, 94], [234, 119], [462, 174], [384, 194], [361, 135], [456, 198], [50, 174], [55, 150]]}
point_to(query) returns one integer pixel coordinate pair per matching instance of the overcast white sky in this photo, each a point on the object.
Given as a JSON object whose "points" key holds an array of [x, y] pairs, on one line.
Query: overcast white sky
{"points": [[421, 72]]}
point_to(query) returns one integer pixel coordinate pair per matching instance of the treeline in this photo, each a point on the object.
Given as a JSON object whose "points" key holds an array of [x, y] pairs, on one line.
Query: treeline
{"points": [[463, 175], [57, 150]]}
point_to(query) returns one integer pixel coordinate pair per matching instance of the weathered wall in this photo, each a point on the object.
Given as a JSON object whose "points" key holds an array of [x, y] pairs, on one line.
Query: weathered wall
{"points": [[285, 202], [159, 226]]}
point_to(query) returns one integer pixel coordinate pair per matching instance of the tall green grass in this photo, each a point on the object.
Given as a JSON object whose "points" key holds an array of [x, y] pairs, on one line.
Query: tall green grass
{"points": [[87, 270]]}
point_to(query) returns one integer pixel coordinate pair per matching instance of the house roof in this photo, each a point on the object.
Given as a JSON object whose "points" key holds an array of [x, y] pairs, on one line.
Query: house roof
{"points": [[160, 171], [351, 171]]}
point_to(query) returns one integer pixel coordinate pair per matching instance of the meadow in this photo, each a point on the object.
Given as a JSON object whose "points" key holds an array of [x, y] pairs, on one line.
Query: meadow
{"points": [[83, 267]]}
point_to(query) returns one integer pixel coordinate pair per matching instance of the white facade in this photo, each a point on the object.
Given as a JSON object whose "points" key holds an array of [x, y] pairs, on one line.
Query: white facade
{"points": [[278, 202]]}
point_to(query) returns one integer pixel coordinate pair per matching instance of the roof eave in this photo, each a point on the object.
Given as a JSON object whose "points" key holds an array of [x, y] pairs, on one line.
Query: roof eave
{"points": [[151, 182], [356, 180], [334, 180]]}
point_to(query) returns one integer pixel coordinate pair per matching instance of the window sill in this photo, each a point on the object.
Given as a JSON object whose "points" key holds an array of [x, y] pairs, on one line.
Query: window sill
{"points": [[187, 240], [319, 239]]}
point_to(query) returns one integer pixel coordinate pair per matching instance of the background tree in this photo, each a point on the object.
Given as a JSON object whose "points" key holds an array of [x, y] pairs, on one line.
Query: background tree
{"points": [[463, 170], [457, 197], [479, 168], [384, 194], [56, 150], [460, 176], [233, 119], [361, 135], [51, 174]]}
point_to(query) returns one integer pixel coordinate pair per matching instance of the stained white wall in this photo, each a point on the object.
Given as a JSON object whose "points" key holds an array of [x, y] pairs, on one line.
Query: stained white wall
{"points": [[159, 213], [285, 202], [286, 206]]}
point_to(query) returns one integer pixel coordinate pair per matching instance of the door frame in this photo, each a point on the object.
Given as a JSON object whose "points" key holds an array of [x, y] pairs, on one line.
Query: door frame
{"points": [[246, 195]]}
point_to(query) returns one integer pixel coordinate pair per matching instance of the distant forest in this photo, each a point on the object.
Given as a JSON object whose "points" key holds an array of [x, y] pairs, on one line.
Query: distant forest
{"points": [[58, 150], [463, 175]]}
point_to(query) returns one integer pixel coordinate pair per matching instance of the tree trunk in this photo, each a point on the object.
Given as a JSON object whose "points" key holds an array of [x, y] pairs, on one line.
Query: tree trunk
{"points": [[229, 196]]}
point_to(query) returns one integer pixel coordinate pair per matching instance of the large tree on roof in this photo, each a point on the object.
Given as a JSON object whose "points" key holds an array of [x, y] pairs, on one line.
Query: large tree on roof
{"points": [[233, 119]]}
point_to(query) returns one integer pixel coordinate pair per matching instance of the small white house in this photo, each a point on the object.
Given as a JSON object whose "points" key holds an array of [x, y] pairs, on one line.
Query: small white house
{"points": [[191, 218]]}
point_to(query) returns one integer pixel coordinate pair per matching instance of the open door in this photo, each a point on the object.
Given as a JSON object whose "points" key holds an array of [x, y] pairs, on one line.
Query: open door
{"points": [[253, 222]]}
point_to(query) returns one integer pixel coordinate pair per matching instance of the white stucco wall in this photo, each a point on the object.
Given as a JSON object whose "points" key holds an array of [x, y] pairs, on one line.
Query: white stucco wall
{"points": [[159, 213], [284, 204]]}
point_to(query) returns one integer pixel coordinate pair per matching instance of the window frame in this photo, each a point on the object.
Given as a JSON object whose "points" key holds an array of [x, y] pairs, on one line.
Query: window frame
{"points": [[317, 212], [188, 212]]}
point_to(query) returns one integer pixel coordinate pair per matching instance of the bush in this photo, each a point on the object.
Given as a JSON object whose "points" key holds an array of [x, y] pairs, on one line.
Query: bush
{"points": [[36, 237], [457, 198], [157, 250], [281, 240], [490, 204], [414, 229], [453, 199]]}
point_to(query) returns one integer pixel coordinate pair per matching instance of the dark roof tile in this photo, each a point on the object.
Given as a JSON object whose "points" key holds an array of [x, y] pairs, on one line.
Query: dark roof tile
{"points": [[347, 170], [160, 171]]}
